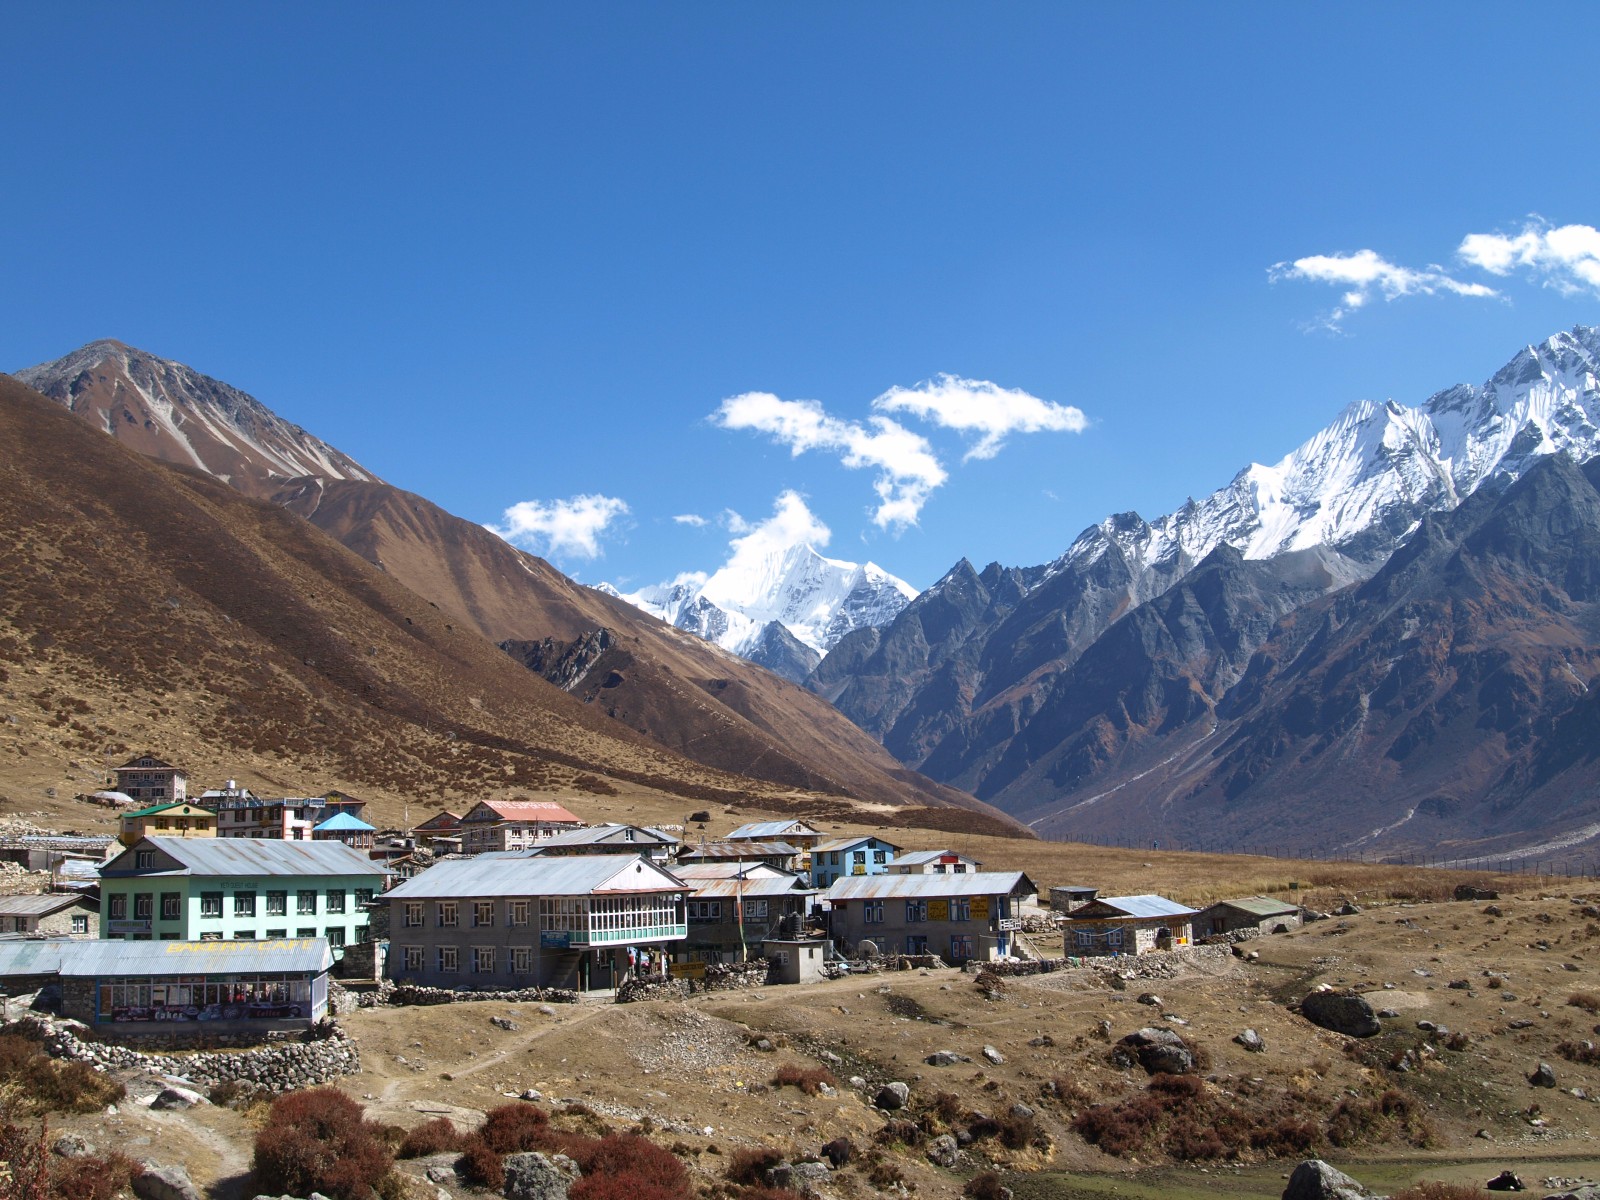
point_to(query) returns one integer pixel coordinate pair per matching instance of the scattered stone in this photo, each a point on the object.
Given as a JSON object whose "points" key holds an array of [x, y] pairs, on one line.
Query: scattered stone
{"points": [[532, 1094], [1544, 1076], [993, 1056], [1251, 1041], [1522, 1023], [177, 1097], [945, 1058], [70, 1145], [166, 1183], [1466, 891], [892, 1096], [1347, 909], [441, 1173], [505, 1023], [546, 1010], [858, 1083], [1316, 1180], [1158, 1051], [1492, 910], [944, 1151], [1021, 1111], [1388, 1014], [1042, 1040], [1150, 998], [765, 1045], [534, 1176], [1341, 1012], [1459, 985]]}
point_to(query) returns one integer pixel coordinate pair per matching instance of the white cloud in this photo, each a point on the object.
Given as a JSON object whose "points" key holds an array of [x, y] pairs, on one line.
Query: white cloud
{"points": [[792, 523], [1367, 273], [908, 469], [694, 519], [1565, 257], [571, 527], [976, 406]]}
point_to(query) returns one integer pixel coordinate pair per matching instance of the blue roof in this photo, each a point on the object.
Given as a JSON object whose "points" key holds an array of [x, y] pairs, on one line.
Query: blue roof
{"points": [[345, 823]]}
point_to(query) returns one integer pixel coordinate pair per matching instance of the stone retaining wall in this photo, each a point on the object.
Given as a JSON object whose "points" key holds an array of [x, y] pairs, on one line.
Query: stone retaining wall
{"points": [[279, 1066], [1163, 964], [409, 993]]}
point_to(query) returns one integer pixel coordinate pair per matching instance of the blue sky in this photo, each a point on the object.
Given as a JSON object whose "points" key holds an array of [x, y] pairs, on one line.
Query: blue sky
{"points": [[520, 255]]}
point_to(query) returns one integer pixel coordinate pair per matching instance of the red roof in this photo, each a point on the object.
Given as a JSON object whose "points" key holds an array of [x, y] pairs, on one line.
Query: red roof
{"points": [[526, 810]]}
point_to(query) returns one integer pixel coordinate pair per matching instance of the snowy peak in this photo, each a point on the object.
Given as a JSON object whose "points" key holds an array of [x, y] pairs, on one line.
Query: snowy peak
{"points": [[172, 412], [814, 599], [1361, 484]]}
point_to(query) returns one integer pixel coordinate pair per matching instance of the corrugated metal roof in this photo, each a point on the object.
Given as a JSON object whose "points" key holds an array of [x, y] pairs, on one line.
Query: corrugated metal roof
{"points": [[1137, 906], [193, 809], [577, 875], [523, 810], [762, 830], [727, 870], [253, 856], [716, 889], [916, 858], [914, 887], [345, 823], [740, 849], [37, 906], [1260, 906], [845, 843], [594, 834], [93, 957]]}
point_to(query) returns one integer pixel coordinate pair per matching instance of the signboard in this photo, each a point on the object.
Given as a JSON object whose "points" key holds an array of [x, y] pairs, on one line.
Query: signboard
{"points": [[128, 926], [687, 970], [555, 939], [859, 869], [980, 908], [938, 910]]}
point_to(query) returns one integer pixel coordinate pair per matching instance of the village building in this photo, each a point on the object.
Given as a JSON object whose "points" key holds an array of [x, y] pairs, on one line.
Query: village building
{"points": [[148, 780], [346, 828], [1261, 913], [958, 917], [441, 827], [733, 909], [775, 854], [243, 814], [933, 862], [197, 889], [54, 914], [1068, 898], [655, 845], [173, 988], [518, 921], [1128, 925], [501, 826], [835, 858], [176, 819], [796, 833]]}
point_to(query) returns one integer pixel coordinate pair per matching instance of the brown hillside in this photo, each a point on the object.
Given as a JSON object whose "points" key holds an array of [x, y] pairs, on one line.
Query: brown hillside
{"points": [[142, 605]]}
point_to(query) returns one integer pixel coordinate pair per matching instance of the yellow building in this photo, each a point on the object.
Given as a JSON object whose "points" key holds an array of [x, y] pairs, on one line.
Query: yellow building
{"points": [[167, 820]]}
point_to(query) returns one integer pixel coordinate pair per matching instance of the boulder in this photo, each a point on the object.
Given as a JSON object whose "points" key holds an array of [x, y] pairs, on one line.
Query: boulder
{"points": [[1466, 891], [1544, 1075], [1316, 1180], [892, 1096], [70, 1145], [166, 1183], [945, 1058], [1342, 1012], [178, 1097], [1251, 1041], [994, 1056], [1159, 1051], [535, 1176], [943, 1151]]}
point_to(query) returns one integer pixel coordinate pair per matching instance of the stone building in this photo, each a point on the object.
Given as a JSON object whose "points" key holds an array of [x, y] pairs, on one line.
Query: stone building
{"points": [[958, 917], [1112, 925], [54, 914]]}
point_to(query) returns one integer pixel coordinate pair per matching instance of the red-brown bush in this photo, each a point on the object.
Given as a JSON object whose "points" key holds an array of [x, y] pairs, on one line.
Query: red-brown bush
{"points": [[51, 1085], [512, 1128], [985, 1185], [481, 1165], [750, 1167], [319, 1140], [1435, 1190], [431, 1137], [808, 1079]]}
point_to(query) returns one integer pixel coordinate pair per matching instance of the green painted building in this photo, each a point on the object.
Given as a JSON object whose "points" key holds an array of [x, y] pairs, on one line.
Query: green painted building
{"points": [[226, 889]]}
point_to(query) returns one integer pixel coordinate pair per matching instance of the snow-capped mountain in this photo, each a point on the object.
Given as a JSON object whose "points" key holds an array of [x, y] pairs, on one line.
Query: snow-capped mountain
{"points": [[172, 412], [816, 601], [1361, 484]]}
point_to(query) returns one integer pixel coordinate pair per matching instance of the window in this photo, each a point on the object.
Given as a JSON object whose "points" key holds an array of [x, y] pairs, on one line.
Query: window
{"points": [[627, 834], [335, 900], [142, 905], [705, 910], [161, 823], [961, 908], [306, 933], [755, 910], [916, 944], [447, 958], [277, 933], [959, 869], [916, 910], [880, 857], [211, 937], [117, 909], [872, 912], [363, 896], [960, 947], [144, 860], [483, 960], [171, 906], [363, 933], [305, 904], [80, 922], [413, 958], [244, 935], [413, 916], [859, 856], [277, 904], [483, 912], [521, 960], [210, 904], [447, 914], [519, 912], [335, 935], [244, 904]]}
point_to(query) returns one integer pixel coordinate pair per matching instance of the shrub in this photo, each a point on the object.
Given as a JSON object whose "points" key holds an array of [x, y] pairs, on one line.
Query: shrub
{"points": [[1586, 1053], [808, 1079], [512, 1128], [899, 1130], [1435, 1190], [49, 1085], [481, 1165], [1017, 1132], [750, 1167], [947, 1107], [1588, 1001], [431, 1137], [319, 1140], [619, 1154], [882, 1171], [985, 1185], [1394, 1114], [623, 1187]]}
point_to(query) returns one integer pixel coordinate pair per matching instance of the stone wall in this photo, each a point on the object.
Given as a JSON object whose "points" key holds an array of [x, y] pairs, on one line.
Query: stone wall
{"points": [[279, 1066], [1162, 964], [410, 993]]}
